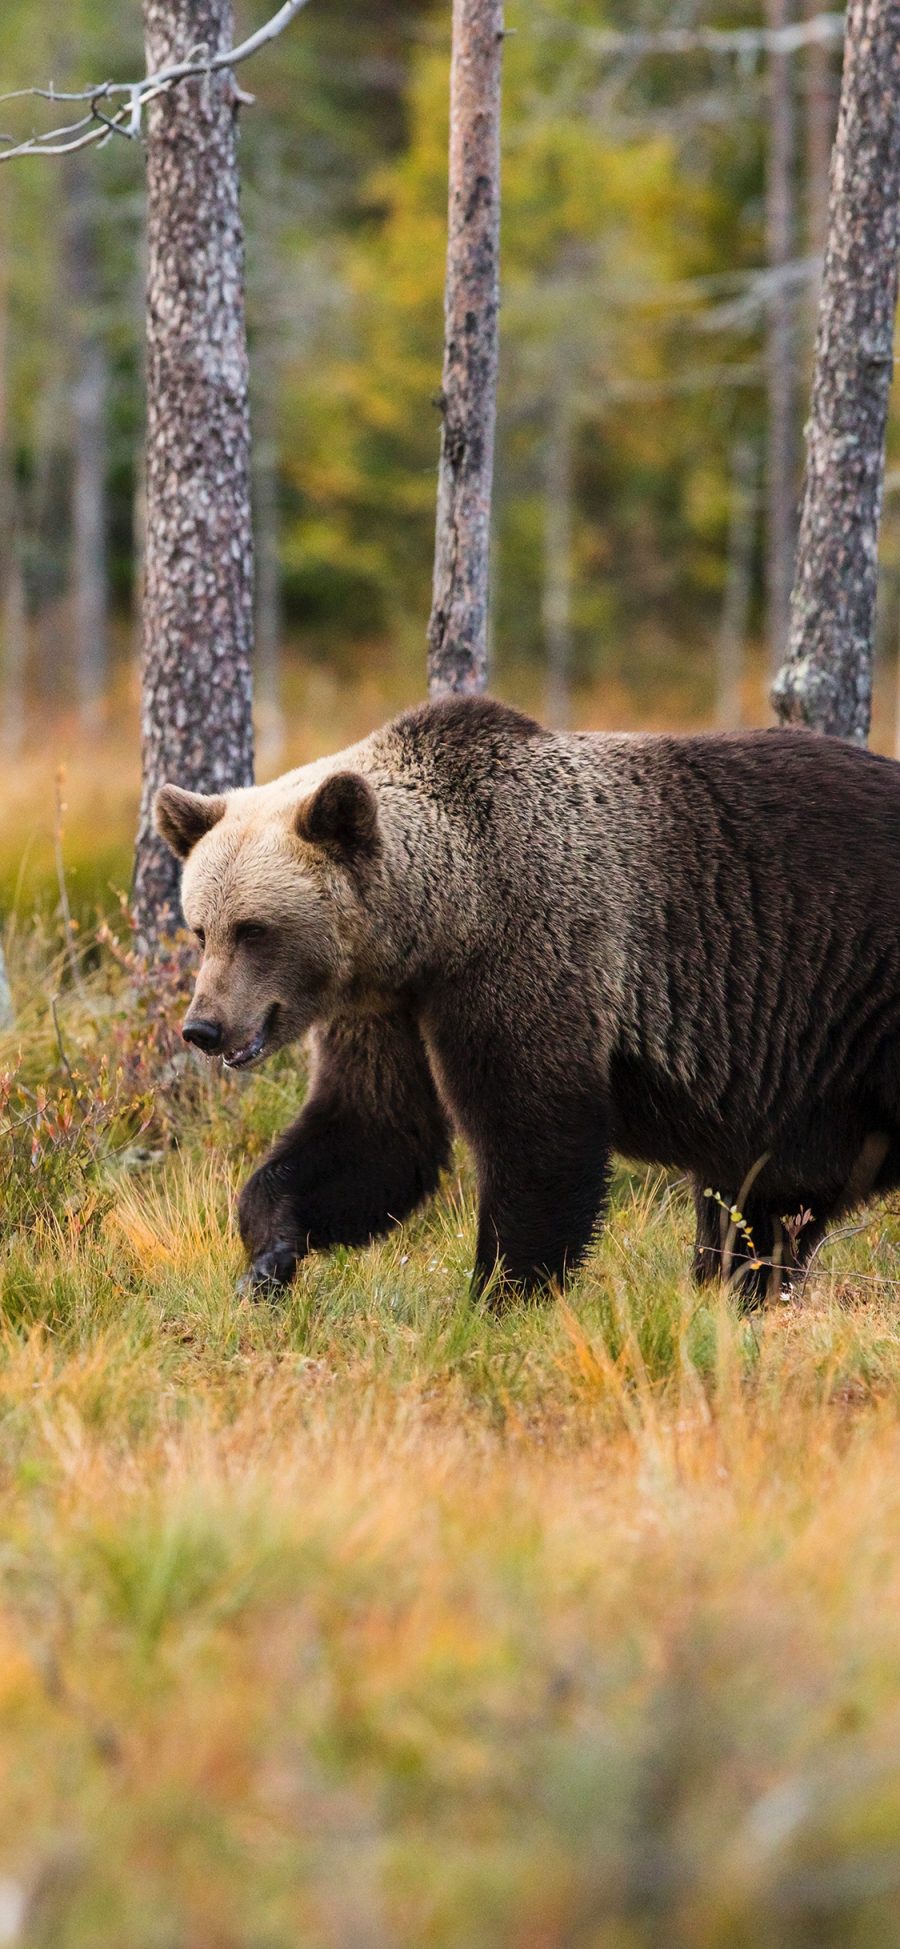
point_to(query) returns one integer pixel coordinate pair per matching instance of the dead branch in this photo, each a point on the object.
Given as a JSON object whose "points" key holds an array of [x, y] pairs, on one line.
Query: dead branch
{"points": [[822, 29], [103, 119]]}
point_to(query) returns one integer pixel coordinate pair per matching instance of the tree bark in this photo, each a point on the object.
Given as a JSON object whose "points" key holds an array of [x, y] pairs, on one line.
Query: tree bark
{"points": [[89, 390], [780, 513], [738, 586], [457, 630], [137, 298], [198, 603], [826, 680]]}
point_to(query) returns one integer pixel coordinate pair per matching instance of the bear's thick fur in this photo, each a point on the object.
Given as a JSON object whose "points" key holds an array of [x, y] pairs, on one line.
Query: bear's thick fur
{"points": [[684, 949]]}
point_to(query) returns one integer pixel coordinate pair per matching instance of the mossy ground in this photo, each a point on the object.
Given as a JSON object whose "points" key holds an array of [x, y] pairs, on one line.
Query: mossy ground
{"points": [[372, 1618]]}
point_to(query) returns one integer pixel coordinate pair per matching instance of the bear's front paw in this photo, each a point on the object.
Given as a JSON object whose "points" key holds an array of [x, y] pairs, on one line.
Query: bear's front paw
{"points": [[271, 1271]]}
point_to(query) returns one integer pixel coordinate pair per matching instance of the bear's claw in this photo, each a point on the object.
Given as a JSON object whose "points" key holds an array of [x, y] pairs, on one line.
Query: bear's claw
{"points": [[270, 1272]]}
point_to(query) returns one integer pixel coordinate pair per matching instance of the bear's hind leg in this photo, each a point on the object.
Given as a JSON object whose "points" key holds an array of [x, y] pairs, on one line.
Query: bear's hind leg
{"points": [[763, 1255], [754, 1259], [368, 1146]]}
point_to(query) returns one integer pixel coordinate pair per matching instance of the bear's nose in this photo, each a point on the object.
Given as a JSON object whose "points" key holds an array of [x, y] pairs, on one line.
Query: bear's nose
{"points": [[204, 1035]]}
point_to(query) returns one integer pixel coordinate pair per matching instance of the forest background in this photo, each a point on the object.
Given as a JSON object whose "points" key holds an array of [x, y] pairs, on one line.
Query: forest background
{"points": [[650, 288], [372, 1617]]}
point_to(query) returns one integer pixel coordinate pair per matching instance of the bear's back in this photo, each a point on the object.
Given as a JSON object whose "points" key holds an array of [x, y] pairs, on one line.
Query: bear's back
{"points": [[729, 903], [812, 818]]}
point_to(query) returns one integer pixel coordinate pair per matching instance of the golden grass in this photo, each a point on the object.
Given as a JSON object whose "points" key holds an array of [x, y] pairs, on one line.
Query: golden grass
{"points": [[371, 1618]]}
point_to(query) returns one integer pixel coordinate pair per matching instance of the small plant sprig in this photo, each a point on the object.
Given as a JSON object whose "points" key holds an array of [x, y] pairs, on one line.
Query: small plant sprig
{"points": [[741, 1225]]}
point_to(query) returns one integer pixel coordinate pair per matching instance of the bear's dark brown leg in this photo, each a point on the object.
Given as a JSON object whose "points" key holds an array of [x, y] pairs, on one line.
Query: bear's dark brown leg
{"points": [[540, 1198], [541, 1147], [368, 1146]]}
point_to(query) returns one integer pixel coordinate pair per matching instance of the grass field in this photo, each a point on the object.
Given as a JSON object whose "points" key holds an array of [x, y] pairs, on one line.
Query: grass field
{"points": [[373, 1619]]}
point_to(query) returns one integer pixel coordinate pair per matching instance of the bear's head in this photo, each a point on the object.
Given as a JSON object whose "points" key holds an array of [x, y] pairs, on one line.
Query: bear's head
{"points": [[272, 888]]}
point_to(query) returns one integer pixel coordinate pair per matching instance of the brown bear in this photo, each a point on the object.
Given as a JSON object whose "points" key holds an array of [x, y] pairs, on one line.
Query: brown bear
{"points": [[686, 949]]}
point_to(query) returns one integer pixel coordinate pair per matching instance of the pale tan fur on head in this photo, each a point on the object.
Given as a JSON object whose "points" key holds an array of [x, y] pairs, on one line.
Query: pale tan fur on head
{"points": [[267, 888]]}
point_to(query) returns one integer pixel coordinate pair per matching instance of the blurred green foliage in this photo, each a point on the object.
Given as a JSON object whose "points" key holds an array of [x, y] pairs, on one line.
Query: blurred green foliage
{"points": [[632, 230]]}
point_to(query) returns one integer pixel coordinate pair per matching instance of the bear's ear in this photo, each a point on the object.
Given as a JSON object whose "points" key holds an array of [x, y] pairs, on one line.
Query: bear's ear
{"points": [[181, 818], [342, 813]]}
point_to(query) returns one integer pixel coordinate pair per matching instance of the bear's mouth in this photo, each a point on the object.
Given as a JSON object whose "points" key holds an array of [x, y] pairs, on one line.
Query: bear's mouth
{"points": [[252, 1051]]}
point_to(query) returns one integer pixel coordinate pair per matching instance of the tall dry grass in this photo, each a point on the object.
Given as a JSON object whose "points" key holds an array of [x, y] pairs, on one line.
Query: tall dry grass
{"points": [[374, 1619]]}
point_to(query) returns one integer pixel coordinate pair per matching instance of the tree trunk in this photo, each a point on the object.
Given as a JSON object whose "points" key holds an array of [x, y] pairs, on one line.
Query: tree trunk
{"points": [[779, 343], [557, 593], [826, 681], [457, 630], [738, 585], [89, 389], [138, 298], [196, 717]]}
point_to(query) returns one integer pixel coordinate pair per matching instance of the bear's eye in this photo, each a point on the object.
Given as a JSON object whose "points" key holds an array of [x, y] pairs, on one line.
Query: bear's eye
{"points": [[247, 931], [201, 936]]}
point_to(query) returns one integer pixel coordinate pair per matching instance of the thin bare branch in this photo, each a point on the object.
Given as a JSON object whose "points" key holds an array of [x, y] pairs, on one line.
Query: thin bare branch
{"points": [[96, 128], [824, 29]]}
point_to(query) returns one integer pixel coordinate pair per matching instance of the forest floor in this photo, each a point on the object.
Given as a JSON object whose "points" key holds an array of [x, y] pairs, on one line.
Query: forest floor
{"points": [[371, 1618]]}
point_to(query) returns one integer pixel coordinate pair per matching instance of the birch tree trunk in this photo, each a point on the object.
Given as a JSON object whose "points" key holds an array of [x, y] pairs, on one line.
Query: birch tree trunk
{"points": [[138, 299], [826, 680], [457, 631], [779, 343], [198, 602]]}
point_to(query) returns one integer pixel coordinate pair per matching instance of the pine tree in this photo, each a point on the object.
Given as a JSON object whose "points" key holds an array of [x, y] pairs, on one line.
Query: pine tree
{"points": [[457, 631], [196, 720], [826, 680]]}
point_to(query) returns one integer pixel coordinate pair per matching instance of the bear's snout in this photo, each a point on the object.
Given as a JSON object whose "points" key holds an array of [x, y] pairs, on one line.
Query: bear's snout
{"points": [[206, 1035]]}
